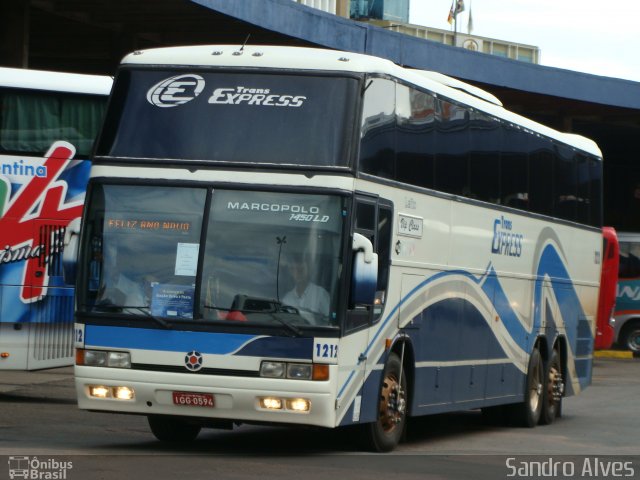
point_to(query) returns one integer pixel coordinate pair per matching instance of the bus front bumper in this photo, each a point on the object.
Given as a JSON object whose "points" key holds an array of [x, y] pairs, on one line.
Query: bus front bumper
{"points": [[217, 397]]}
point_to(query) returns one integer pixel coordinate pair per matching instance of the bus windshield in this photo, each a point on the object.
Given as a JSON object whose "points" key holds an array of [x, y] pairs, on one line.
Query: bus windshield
{"points": [[236, 117], [268, 258]]}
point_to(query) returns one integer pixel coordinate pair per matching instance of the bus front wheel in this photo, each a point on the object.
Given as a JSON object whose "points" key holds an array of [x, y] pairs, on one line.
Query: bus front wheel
{"points": [[172, 429], [385, 433]]}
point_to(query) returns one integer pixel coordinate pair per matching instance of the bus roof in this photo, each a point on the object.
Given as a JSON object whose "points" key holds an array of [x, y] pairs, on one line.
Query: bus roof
{"points": [[55, 81], [303, 58]]}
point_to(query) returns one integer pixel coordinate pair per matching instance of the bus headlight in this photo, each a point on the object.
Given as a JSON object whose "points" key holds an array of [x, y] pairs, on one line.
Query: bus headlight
{"points": [[294, 371], [300, 371], [103, 358], [272, 369]]}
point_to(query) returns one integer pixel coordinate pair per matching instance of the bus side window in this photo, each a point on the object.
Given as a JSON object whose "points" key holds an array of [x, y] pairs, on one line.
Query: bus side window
{"points": [[383, 248]]}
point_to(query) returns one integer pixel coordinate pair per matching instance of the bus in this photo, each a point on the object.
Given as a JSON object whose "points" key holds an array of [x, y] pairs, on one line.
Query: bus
{"points": [[608, 283], [302, 236], [627, 307], [48, 122]]}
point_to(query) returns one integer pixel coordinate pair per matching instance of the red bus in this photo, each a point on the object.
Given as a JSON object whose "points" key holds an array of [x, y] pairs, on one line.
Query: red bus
{"points": [[608, 281]]}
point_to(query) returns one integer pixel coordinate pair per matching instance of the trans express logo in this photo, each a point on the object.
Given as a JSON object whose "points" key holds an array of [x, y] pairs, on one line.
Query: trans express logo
{"points": [[175, 91], [181, 89], [254, 96], [505, 240]]}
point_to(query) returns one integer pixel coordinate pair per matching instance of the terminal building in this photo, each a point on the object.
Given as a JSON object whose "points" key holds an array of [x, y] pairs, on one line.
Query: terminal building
{"points": [[92, 37]]}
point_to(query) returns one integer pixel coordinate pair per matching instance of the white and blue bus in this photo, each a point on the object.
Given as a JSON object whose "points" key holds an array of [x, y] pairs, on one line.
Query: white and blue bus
{"points": [[302, 236], [48, 123]]}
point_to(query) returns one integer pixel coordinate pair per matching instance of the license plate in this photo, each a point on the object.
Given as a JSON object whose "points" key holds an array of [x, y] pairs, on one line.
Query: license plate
{"points": [[190, 399]]}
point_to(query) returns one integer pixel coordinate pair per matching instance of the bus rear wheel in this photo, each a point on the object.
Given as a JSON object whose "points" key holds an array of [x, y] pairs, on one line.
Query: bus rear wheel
{"points": [[631, 337], [385, 433], [527, 413], [172, 429], [552, 390]]}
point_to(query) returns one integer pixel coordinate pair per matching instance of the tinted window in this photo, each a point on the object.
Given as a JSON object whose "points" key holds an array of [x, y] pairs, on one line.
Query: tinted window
{"points": [[378, 142], [458, 150], [452, 141], [484, 158], [566, 186], [231, 117], [541, 177], [415, 137]]}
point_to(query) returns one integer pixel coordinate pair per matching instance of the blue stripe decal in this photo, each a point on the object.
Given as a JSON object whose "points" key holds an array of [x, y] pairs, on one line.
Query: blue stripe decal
{"points": [[167, 340], [393, 311], [550, 264]]}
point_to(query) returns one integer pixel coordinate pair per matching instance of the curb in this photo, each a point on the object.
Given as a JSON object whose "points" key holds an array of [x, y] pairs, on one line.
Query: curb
{"points": [[614, 354]]}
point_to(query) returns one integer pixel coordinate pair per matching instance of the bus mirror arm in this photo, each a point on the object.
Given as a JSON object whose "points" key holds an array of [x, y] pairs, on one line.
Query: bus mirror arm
{"points": [[70, 251], [360, 242]]}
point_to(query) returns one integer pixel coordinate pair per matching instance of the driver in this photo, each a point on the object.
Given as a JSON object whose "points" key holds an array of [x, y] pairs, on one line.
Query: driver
{"points": [[306, 295]]}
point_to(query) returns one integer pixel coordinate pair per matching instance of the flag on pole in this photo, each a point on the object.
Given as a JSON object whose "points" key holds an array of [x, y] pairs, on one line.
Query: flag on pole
{"points": [[470, 21], [451, 13], [459, 6]]}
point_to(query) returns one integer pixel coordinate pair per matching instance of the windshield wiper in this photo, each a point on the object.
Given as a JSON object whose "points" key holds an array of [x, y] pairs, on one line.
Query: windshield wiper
{"points": [[291, 327], [144, 309]]}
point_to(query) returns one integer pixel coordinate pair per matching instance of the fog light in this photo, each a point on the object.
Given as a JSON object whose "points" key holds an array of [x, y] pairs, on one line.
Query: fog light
{"points": [[99, 391], [298, 404], [124, 393], [271, 403]]}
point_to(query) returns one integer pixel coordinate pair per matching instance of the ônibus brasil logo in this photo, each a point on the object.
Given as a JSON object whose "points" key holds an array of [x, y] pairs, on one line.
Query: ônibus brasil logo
{"points": [[175, 91]]}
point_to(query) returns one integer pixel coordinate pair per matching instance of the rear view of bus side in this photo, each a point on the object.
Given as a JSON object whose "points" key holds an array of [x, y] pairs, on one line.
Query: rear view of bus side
{"points": [[48, 122], [301, 236]]}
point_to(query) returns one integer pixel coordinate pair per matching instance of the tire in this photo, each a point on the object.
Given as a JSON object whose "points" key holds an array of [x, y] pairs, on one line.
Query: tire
{"points": [[385, 433], [527, 413], [172, 429], [552, 390], [630, 338]]}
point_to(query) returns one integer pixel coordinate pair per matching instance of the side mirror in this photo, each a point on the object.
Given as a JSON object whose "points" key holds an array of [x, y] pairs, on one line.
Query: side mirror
{"points": [[70, 251], [364, 280]]}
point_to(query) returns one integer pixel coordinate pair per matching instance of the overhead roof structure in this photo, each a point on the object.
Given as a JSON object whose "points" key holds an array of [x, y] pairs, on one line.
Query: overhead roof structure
{"points": [[92, 37]]}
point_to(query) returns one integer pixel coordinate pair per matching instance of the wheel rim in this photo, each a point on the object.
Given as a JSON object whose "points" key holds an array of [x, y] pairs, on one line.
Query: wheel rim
{"points": [[535, 388], [555, 386], [392, 404], [633, 341]]}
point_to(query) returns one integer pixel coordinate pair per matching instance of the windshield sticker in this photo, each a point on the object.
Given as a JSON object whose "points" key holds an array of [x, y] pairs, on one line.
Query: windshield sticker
{"points": [[187, 259], [172, 300], [254, 96], [175, 91]]}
